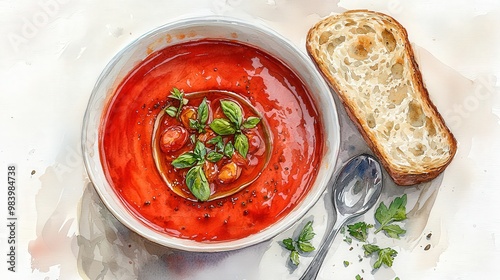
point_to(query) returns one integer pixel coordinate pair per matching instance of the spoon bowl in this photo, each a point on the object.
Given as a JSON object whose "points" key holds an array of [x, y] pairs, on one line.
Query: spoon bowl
{"points": [[356, 189], [357, 186]]}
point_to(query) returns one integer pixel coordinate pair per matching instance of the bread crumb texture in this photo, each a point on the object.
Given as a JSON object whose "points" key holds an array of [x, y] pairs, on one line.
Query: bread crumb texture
{"points": [[367, 59]]}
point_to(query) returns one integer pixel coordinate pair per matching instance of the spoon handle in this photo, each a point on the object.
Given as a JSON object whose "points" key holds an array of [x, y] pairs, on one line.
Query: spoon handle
{"points": [[315, 265]]}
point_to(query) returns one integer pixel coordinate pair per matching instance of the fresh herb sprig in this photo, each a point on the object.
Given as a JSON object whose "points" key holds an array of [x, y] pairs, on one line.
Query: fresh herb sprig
{"points": [[177, 95], [233, 125], [196, 180], [202, 117], [386, 217], [385, 255], [359, 230], [301, 245], [395, 213]]}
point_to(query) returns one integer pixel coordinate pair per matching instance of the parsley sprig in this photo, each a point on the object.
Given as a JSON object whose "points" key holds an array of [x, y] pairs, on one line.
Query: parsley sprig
{"points": [[386, 218], [395, 213], [385, 255], [301, 245]]}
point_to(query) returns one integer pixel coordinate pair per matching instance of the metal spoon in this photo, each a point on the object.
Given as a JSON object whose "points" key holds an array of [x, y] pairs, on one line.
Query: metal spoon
{"points": [[356, 190]]}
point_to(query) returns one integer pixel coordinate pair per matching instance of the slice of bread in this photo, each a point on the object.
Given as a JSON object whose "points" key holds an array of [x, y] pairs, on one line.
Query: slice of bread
{"points": [[367, 59]]}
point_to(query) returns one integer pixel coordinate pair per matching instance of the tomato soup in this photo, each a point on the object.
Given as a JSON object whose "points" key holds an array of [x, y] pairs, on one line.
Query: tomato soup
{"points": [[284, 143]]}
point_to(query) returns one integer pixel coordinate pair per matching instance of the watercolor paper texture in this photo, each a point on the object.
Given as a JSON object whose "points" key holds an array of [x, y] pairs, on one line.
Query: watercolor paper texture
{"points": [[52, 52]]}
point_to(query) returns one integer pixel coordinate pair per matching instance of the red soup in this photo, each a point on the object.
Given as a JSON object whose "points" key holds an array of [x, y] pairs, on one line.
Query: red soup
{"points": [[211, 140]]}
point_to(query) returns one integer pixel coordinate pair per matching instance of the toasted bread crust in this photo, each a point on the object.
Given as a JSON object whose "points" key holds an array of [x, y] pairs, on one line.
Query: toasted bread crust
{"points": [[367, 59]]}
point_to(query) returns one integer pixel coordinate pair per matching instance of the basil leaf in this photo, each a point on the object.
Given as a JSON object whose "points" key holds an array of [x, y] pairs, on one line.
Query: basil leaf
{"points": [[288, 242], [199, 150], [251, 122], [203, 112], [229, 149], [241, 144], [294, 257], [232, 111], [185, 160], [171, 111], [214, 156], [305, 246], [215, 140], [307, 232], [222, 127], [176, 94], [197, 183], [194, 124]]}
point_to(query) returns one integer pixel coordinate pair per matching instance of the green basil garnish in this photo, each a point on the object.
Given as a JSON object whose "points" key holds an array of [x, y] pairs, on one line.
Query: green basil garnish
{"points": [[232, 124], [218, 142], [200, 151], [251, 122], [179, 95], [222, 127], [232, 111], [197, 183], [241, 144], [203, 112], [171, 111], [214, 156], [201, 120], [185, 160], [229, 149]]}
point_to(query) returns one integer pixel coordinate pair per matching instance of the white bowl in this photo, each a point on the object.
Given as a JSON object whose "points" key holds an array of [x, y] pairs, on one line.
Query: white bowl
{"points": [[209, 27]]}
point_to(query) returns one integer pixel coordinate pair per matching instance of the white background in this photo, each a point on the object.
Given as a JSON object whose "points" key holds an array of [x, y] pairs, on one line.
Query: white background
{"points": [[52, 52]]}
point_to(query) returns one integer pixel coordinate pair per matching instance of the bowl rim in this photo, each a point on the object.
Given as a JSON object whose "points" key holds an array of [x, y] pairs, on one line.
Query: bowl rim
{"points": [[112, 200]]}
